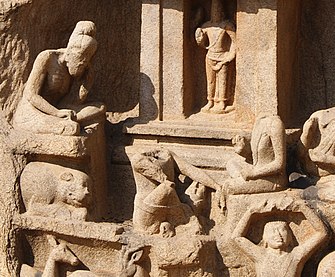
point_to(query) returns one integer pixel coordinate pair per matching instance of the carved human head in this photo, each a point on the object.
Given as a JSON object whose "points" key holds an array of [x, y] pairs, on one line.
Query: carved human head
{"points": [[163, 161], [84, 28], [277, 235], [81, 48], [74, 188]]}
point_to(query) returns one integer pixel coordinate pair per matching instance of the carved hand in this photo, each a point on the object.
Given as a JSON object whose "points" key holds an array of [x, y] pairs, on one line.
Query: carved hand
{"points": [[199, 35], [68, 114], [247, 174], [238, 143], [230, 56]]}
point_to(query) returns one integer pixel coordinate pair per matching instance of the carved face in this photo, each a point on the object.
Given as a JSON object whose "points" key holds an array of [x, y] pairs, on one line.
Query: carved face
{"points": [[75, 189], [79, 53], [276, 234], [76, 62]]}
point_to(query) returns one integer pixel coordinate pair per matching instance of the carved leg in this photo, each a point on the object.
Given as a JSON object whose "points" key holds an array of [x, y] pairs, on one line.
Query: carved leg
{"points": [[211, 76], [220, 91]]}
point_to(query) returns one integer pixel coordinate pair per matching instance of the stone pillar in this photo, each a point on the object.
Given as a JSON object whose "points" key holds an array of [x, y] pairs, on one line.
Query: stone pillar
{"points": [[265, 58], [173, 59], [162, 60], [256, 59], [150, 88]]}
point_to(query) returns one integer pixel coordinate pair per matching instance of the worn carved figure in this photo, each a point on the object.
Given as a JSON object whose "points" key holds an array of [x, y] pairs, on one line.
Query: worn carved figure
{"points": [[218, 37], [132, 259], [59, 253], [55, 191], [326, 267], [275, 255], [158, 208], [268, 149], [316, 150], [51, 102]]}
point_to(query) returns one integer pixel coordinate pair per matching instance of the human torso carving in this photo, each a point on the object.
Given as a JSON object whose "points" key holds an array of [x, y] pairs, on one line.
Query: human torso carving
{"points": [[261, 144], [218, 40], [58, 81]]}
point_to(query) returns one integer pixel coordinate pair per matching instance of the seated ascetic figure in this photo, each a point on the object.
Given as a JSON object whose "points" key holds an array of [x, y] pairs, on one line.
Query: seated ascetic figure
{"points": [[51, 104], [276, 254], [267, 172], [316, 151], [157, 206]]}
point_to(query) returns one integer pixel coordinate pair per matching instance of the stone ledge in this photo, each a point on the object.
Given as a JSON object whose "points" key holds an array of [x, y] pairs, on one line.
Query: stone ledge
{"points": [[108, 232], [195, 130], [22, 142], [184, 129]]}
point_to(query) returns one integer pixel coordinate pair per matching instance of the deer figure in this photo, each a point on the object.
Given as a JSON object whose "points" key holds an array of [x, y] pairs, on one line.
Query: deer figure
{"points": [[60, 253], [131, 266]]}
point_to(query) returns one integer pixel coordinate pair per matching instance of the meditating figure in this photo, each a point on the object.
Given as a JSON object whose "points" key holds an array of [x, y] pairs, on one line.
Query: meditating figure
{"points": [[52, 103], [218, 37], [158, 208], [266, 173], [276, 255]]}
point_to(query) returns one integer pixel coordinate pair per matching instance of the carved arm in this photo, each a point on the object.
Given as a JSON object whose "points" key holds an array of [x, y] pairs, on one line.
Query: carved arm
{"points": [[34, 85]]}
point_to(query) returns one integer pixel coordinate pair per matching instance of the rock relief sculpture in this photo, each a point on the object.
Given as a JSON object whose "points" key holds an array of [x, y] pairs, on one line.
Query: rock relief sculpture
{"points": [[157, 206], [53, 104], [48, 105], [326, 266], [316, 151], [218, 37], [60, 253], [55, 191], [276, 255], [131, 259], [265, 171]]}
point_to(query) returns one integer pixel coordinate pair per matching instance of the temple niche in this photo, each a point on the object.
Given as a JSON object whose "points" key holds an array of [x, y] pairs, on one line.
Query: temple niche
{"points": [[169, 138]]}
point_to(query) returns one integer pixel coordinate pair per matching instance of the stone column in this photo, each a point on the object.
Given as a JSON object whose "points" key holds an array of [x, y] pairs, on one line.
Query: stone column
{"points": [[150, 88], [266, 57], [162, 60], [173, 59], [256, 59]]}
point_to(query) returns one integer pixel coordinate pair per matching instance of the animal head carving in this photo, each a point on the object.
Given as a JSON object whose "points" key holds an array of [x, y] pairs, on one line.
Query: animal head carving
{"points": [[131, 262], [74, 188], [60, 252]]}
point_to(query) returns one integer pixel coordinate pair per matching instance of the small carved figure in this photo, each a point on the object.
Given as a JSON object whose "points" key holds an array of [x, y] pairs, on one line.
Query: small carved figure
{"points": [[326, 267], [60, 253], [275, 255], [268, 148], [316, 150], [158, 208], [47, 106], [131, 266], [55, 191], [219, 34]]}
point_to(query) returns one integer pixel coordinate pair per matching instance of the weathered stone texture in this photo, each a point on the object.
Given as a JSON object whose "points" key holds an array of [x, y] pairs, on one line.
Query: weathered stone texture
{"points": [[28, 27]]}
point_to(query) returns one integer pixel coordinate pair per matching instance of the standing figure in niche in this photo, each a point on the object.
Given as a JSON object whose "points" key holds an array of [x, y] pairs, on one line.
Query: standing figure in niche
{"points": [[48, 105], [268, 149], [275, 255], [218, 37], [316, 151], [157, 207]]}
